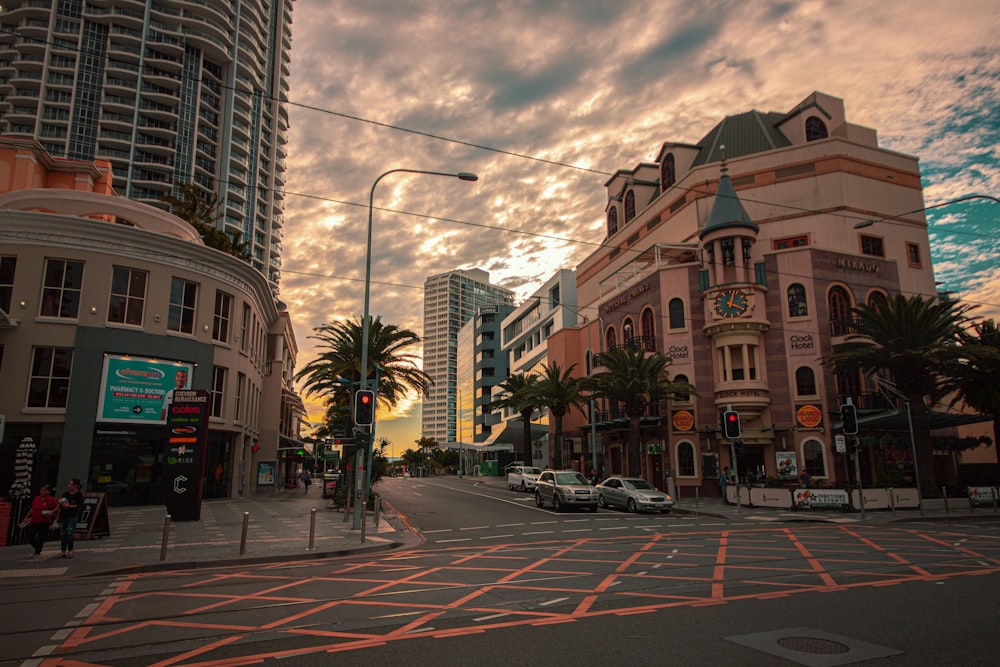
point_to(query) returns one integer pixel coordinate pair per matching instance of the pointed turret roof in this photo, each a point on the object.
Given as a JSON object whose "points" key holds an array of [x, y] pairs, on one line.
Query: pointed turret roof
{"points": [[727, 210]]}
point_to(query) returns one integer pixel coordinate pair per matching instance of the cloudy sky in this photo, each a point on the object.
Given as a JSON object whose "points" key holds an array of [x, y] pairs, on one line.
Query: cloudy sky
{"points": [[544, 99]]}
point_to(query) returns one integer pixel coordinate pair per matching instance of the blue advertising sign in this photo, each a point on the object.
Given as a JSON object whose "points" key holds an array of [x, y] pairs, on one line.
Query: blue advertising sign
{"points": [[139, 389]]}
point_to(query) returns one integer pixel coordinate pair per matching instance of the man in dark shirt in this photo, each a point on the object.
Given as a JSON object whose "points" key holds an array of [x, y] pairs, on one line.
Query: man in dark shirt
{"points": [[69, 513]]}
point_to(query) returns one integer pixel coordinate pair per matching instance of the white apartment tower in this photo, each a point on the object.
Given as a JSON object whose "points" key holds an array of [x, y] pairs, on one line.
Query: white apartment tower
{"points": [[450, 300], [170, 91]]}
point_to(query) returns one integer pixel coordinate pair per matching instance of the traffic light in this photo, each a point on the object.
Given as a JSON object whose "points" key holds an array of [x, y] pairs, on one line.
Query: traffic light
{"points": [[849, 418], [731, 425], [364, 407]]}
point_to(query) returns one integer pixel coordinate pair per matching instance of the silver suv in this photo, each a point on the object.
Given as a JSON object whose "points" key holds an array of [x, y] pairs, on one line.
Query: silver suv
{"points": [[564, 488]]}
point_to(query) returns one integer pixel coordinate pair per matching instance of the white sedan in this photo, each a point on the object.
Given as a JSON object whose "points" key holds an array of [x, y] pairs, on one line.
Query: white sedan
{"points": [[632, 494]]}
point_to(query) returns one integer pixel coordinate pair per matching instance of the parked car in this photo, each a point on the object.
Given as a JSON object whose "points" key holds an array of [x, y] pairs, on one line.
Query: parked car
{"points": [[633, 494], [522, 477], [564, 488]]}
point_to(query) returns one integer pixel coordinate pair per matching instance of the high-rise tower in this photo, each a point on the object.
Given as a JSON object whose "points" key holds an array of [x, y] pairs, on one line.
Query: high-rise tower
{"points": [[171, 92], [450, 300]]}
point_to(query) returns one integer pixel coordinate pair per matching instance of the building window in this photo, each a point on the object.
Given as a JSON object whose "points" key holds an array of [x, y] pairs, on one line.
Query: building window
{"points": [[554, 296], [668, 171], [629, 206], [685, 459], [612, 221], [628, 331], [913, 255], [797, 304], [805, 381], [840, 310], [812, 457], [815, 129], [241, 381], [790, 242], [872, 245], [128, 296], [610, 340], [682, 398], [245, 327], [218, 390], [49, 384], [223, 313], [8, 266], [849, 384], [183, 299], [648, 323], [61, 291], [675, 313]]}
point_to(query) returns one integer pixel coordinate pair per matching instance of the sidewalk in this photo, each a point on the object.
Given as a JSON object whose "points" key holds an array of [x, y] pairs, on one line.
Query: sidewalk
{"points": [[277, 530], [279, 523]]}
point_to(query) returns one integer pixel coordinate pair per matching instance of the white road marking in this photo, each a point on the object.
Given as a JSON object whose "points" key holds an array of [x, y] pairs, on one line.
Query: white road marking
{"points": [[475, 528], [489, 618], [508, 525], [464, 539], [556, 601], [541, 532], [498, 537]]}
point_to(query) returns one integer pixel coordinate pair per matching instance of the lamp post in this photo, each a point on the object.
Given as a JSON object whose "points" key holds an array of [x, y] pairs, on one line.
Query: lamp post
{"points": [[365, 324], [959, 200]]}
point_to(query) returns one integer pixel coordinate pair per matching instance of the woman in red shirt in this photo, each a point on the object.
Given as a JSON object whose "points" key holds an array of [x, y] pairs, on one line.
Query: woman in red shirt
{"points": [[44, 510]]}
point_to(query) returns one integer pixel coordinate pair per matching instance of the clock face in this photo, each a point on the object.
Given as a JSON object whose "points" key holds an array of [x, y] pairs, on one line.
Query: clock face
{"points": [[731, 303]]}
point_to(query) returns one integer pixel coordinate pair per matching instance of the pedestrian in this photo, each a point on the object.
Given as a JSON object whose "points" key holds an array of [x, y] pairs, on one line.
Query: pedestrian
{"points": [[306, 479], [805, 479], [69, 513], [594, 478], [723, 483], [44, 510]]}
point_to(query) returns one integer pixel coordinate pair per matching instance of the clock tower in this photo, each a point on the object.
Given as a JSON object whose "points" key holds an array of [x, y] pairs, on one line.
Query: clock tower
{"points": [[733, 289]]}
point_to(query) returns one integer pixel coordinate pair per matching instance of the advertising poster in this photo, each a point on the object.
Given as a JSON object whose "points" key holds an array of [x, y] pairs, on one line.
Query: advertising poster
{"points": [[787, 465], [265, 473], [682, 421], [184, 459], [138, 389]]}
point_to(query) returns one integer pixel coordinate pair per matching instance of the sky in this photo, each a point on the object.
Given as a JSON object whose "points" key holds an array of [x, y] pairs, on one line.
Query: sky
{"points": [[545, 99]]}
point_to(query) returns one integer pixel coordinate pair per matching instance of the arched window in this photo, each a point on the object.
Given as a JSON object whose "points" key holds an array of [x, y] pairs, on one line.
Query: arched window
{"points": [[612, 221], [812, 458], [648, 330], [675, 313], [685, 459], [628, 331], [876, 300], [840, 310], [610, 340], [668, 171], [682, 398], [805, 381], [629, 206], [848, 384], [815, 129], [797, 304]]}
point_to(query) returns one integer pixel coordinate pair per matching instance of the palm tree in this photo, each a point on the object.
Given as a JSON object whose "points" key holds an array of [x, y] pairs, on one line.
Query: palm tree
{"points": [[558, 390], [338, 367], [519, 397], [916, 341], [976, 376], [635, 380]]}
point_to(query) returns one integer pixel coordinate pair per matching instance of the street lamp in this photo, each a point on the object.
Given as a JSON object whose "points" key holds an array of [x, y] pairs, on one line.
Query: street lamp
{"points": [[869, 223], [365, 327]]}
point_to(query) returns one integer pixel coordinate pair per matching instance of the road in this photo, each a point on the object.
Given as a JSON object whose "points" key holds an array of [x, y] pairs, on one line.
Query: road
{"points": [[499, 581]]}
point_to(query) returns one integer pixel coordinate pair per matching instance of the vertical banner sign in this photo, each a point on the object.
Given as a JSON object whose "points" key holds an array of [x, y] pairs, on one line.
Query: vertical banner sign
{"points": [[184, 460]]}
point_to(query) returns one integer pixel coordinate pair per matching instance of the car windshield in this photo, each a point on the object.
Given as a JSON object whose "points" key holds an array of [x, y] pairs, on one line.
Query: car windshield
{"points": [[532, 471], [638, 484], [570, 478]]}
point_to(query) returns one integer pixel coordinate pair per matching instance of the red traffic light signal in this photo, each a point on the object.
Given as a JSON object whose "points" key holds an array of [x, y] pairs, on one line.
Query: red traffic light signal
{"points": [[849, 419], [731, 425], [364, 407]]}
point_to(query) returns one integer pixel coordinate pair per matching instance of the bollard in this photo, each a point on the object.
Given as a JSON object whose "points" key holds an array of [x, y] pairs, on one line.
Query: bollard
{"points": [[243, 537], [697, 498], [892, 501], [363, 522], [312, 529], [166, 537], [944, 494], [378, 509]]}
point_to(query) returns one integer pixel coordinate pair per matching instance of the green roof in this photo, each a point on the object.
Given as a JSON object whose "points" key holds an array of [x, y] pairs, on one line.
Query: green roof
{"points": [[727, 210], [743, 134]]}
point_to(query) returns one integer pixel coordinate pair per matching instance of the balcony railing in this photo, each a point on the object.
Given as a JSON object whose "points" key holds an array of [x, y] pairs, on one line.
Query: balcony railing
{"points": [[845, 327], [645, 343]]}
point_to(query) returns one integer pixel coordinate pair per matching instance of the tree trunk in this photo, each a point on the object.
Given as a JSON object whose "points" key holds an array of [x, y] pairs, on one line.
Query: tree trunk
{"points": [[996, 442], [558, 444], [922, 443], [634, 447], [526, 418]]}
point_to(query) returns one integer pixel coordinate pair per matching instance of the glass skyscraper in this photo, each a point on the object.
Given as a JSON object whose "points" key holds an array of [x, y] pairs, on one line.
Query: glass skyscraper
{"points": [[170, 91]]}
